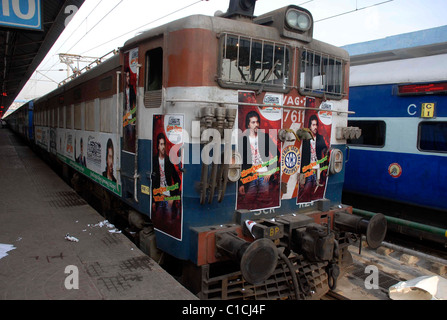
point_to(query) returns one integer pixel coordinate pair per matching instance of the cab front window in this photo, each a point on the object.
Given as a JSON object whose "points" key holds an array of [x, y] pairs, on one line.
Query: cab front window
{"points": [[254, 64], [321, 74]]}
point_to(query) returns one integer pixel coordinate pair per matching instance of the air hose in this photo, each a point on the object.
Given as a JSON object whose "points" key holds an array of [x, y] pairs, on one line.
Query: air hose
{"points": [[292, 272]]}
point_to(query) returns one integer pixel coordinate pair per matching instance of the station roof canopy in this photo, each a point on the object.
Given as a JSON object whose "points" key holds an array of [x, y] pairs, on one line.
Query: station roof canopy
{"points": [[403, 46], [22, 50]]}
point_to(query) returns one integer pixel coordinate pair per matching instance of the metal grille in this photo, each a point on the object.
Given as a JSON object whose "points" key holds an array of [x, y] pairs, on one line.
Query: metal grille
{"points": [[385, 280], [153, 99], [279, 286]]}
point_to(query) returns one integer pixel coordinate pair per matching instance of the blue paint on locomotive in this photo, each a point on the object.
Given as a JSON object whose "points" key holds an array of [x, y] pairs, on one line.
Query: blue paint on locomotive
{"points": [[335, 182], [197, 215]]}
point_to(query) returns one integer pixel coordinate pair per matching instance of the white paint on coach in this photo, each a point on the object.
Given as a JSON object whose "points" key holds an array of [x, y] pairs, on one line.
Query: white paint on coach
{"points": [[423, 69]]}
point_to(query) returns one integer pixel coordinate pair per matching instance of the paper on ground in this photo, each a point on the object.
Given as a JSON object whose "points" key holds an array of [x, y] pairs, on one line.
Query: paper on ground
{"points": [[5, 248], [421, 288]]}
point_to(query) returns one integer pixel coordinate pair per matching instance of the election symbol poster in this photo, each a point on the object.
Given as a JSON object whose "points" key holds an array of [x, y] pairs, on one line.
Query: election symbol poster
{"points": [[166, 213], [259, 146], [293, 120]]}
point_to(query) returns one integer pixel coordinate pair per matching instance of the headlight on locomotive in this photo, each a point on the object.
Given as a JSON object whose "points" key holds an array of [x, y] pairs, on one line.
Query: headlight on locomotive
{"points": [[335, 161], [298, 20], [234, 169]]}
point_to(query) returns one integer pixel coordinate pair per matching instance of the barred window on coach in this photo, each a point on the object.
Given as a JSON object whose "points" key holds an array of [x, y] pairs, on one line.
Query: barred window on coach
{"points": [[373, 133], [254, 63]]}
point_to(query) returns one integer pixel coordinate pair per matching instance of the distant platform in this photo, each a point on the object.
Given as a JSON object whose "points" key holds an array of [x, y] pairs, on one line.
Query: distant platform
{"points": [[37, 211]]}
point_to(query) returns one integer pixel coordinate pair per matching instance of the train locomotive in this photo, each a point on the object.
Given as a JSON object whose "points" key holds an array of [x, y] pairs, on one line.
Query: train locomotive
{"points": [[222, 140]]}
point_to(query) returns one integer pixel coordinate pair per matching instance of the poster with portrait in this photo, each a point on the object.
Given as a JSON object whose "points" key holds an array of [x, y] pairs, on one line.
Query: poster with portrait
{"points": [[166, 213], [258, 144], [130, 99], [96, 155], [314, 153]]}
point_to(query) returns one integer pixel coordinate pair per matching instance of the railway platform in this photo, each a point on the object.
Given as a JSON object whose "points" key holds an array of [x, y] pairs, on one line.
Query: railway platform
{"points": [[54, 246]]}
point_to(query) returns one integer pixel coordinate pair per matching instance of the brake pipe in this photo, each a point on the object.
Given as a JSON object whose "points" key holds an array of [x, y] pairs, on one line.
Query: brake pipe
{"points": [[406, 223]]}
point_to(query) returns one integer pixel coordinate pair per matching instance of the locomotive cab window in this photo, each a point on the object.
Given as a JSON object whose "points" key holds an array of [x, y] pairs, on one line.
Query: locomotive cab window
{"points": [[153, 78], [373, 133], [321, 74], [254, 64], [432, 136]]}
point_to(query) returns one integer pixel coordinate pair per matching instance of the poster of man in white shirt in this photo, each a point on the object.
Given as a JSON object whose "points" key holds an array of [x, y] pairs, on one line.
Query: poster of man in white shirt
{"points": [[166, 176], [258, 187], [314, 165]]}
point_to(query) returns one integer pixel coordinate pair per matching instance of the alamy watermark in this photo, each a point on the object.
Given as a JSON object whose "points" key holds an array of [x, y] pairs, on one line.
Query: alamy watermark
{"points": [[71, 11], [372, 280], [72, 280]]}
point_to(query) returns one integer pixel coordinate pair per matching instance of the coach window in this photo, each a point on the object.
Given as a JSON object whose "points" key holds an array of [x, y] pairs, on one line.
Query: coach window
{"points": [[321, 74], [61, 117], [373, 133], [106, 84], [108, 116], [78, 116], [254, 64], [68, 118], [89, 119], [44, 117], [432, 136], [53, 117]]}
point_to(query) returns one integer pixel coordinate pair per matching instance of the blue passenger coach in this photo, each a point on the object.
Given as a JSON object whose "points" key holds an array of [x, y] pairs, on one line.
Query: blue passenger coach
{"points": [[398, 88]]}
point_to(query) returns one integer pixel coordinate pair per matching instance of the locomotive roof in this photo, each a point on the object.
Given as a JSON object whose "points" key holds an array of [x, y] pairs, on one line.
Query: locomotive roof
{"points": [[107, 65], [214, 24], [225, 25]]}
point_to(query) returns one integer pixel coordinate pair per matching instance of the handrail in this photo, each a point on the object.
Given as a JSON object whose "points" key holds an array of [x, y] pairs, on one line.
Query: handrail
{"points": [[174, 101]]}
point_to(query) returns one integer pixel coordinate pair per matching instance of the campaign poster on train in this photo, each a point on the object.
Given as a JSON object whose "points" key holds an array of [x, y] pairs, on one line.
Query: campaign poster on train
{"points": [[41, 137], [93, 154], [167, 210], [259, 146], [314, 152], [293, 120], [130, 100]]}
